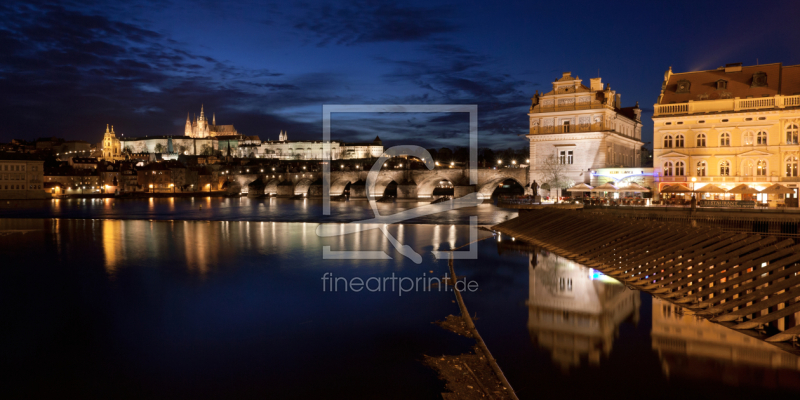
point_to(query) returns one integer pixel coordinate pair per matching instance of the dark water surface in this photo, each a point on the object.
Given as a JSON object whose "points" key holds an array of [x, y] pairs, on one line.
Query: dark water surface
{"points": [[110, 308]]}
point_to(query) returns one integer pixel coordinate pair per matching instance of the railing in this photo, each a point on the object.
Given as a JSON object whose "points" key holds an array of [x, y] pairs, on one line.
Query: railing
{"points": [[736, 104], [573, 107], [570, 129], [767, 102]]}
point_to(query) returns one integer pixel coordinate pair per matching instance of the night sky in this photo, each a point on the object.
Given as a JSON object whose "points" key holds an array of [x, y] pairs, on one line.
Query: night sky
{"points": [[69, 68]]}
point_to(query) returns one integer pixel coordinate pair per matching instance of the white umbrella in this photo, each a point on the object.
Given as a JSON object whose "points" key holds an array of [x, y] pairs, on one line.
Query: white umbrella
{"points": [[633, 187], [581, 187], [606, 187]]}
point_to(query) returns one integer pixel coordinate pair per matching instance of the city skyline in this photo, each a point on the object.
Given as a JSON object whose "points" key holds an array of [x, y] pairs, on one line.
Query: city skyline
{"points": [[268, 68]]}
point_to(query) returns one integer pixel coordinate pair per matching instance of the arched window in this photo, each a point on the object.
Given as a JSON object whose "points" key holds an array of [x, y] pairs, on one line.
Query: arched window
{"points": [[724, 168], [701, 168], [679, 168], [761, 138], [701, 140], [761, 168], [791, 134], [668, 141], [725, 139], [747, 167], [749, 138], [668, 168], [679, 141], [791, 166]]}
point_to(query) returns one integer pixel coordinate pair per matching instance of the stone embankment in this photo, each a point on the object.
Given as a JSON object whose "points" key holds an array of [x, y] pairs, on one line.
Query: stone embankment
{"points": [[743, 281]]}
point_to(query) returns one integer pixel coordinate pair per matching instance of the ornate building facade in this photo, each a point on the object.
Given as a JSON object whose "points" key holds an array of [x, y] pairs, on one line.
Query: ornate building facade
{"points": [[112, 149], [582, 128], [731, 125], [200, 128]]}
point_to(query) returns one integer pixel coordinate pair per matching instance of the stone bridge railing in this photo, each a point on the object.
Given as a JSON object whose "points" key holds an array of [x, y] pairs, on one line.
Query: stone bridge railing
{"points": [[410, 183]]}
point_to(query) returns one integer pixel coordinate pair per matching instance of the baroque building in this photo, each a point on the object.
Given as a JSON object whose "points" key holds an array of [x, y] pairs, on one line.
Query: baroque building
{"points": [[728, 126], [582, 128], [112, 149], [200, 128]]}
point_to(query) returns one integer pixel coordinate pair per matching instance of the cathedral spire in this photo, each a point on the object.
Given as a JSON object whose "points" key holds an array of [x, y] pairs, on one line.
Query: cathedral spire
{"points": [[214, 119], [112, 128], [107, 131]]}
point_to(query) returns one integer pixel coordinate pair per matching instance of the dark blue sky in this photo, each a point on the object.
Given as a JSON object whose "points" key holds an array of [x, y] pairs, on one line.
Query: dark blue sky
{"points": [[69, 68]]}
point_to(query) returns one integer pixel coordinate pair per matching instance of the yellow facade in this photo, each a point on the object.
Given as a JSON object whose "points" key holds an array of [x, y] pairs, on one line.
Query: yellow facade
{"points": [[112, 150], [727, 141]]}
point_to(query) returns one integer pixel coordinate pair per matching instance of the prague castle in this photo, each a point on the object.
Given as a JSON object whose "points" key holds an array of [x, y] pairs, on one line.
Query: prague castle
{"points": [[200, 128], [203, 138]]}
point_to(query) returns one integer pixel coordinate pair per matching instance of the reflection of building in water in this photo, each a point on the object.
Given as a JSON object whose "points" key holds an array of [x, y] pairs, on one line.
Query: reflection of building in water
{"points": [[694, 348], [575, 311]]}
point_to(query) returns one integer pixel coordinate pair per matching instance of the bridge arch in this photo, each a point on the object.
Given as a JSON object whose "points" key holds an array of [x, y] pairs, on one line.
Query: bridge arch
{"points": [[338, 185], [272, 186], [487, 188], [301, 187]]}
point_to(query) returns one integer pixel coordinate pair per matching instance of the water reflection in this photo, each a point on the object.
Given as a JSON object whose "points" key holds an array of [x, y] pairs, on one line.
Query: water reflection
{"points": [[574, 311], [693, 347]]}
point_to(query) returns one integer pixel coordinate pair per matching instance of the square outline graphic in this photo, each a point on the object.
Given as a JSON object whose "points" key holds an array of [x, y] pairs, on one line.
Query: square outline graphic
{"points": [[327, 110]]}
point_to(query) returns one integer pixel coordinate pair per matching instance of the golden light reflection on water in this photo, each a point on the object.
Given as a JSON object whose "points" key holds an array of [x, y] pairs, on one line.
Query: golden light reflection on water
{"points": [[112, 245]]}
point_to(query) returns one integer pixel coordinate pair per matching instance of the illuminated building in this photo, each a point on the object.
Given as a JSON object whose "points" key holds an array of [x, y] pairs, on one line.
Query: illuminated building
{"points": [[582, 128], [694, 348], [21, 177], [575, 311], [729, 126]]}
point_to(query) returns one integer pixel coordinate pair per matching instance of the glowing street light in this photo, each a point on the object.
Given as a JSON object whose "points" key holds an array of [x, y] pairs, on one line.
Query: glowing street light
{"points": [[499, 162]]}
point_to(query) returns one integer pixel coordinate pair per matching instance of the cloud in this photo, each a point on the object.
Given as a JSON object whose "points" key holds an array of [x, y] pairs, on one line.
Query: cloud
{"points": [[359, 22]]}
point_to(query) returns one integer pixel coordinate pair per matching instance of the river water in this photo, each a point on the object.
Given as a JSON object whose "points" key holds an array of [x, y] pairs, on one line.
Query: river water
{"points": [[161, 299]]}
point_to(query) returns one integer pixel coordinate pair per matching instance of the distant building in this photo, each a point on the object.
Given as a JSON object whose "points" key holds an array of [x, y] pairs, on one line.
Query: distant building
{"points": [[729, 126], [582, 128], [21, 176], [200, 128], [284, 149], [111, 148]]}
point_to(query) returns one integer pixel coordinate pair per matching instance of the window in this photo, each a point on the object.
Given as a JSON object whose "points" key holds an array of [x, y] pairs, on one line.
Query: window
{"points": [[724, 120], [748, 138], [701, 140], [701, 168], [679, 168], [725, 139], [791, 166], [791, 134], [722, 84], [680, 123], [565, 127], [724, 168], [761, 138], [679, 141], [668, 141], [668, 168], [701, 122], [683, 86], [759, 79], [747, 167], [565, 157], [668, 123], [748, 119], [761, 168]]}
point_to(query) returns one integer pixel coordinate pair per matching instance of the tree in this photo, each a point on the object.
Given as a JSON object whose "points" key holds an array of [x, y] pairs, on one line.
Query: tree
{"points": [[182, 149], [159, 148], [445, 155], [206, 150], [554, 173], [434, 154], [461, 154]]}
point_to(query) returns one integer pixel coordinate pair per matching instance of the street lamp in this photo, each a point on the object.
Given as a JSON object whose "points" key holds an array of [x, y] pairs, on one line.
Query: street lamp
{"points": [[172, 185]]}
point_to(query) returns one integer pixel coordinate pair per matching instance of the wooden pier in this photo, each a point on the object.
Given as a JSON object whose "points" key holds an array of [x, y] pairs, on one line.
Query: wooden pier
{"points": [[743, 281]]}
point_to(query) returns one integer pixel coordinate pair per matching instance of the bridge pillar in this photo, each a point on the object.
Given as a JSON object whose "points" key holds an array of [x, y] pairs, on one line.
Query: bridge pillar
{"points": [[406, 191], [315, 191], [461, 191], [358, 190], [285, 189]]}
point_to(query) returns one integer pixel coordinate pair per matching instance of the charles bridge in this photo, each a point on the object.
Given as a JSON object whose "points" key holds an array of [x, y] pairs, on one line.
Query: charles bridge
{"points": [[411, 184]]}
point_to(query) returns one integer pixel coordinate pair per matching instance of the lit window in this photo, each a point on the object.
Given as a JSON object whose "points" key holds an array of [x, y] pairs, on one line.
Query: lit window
{"points": [[724, 168], [701, 168], [761, 138], [668, 168], [679, 168], [761, 168], [725, 139], [791, 166], [791, 134], [668, 141], [679, 141], [748, 138], [701, 140]]}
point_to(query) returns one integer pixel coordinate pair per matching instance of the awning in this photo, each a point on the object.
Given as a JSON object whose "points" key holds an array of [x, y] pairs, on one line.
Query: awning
{"points": [[581, 187], [710, 188], [743, 189], [777, 189], [676, 188], [606, 187], [633, 187]]}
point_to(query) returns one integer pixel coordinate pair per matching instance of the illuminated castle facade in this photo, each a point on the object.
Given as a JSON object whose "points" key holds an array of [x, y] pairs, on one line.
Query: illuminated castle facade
{"points": [[200, 128]]}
